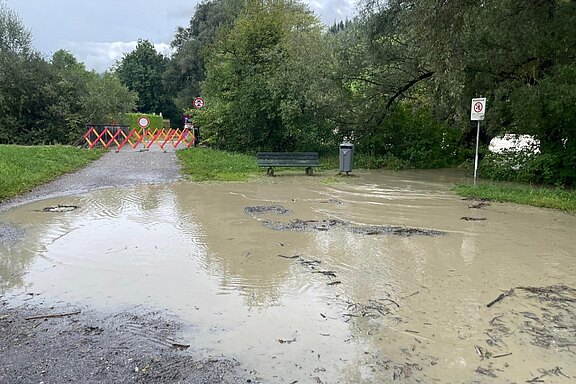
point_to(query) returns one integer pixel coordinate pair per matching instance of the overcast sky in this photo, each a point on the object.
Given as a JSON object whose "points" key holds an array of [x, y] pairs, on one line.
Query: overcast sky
{"points": [[99, 32]]}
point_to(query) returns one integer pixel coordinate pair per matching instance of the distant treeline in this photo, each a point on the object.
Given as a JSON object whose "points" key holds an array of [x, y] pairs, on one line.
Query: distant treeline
{"points": [[397, 80]]}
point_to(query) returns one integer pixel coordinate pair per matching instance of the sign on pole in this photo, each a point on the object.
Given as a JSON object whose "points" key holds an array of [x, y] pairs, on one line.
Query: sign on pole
{"points": [[143, 122], [477, 114], [198, 102], [478, 109]]}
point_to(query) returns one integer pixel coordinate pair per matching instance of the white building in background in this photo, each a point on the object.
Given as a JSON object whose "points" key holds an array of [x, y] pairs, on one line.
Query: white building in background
{"points": [[514, 143]]}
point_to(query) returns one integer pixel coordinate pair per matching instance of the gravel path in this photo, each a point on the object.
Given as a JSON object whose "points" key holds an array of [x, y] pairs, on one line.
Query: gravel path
{"points": [[125, 168]]}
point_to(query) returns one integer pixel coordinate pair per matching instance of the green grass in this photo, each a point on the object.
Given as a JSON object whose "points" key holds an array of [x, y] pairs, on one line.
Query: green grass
{"points": [[206, 164], [23, 168], [555, 198]]}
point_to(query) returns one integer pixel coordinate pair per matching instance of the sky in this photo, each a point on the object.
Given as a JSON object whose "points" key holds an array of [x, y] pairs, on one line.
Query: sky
{"points": [[100, 32]]}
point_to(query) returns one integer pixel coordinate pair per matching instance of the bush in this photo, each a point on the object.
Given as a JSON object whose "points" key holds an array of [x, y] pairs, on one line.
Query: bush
{"points": [[131, 120], [523, 166], [410, 136]]}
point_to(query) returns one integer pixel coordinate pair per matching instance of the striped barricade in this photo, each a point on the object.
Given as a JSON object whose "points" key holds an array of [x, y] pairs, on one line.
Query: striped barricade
{"points": [[108, 137]]}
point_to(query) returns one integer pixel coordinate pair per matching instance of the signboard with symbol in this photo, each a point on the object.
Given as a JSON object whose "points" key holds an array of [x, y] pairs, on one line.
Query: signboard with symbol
{"points": [[478, 109], [198, 102], [143, 122]]}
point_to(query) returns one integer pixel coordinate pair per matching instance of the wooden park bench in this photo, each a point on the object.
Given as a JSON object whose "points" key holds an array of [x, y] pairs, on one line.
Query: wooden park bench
{"points": [[288, 159]]}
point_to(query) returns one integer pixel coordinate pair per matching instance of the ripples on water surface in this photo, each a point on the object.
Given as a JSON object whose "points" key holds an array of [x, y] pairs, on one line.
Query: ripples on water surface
{"points": [[397, 305]]}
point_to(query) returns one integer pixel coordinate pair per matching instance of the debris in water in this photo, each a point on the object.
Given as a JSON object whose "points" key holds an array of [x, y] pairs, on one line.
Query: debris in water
{"points": [[53, 315], [305, 225], [479, 205], [468, 218], [486, 372], [505, 294], [284, 341], [289, 257], [326, 273], [261, 209], [60, 208], [335, 282], [326, 225], [395, 230]]}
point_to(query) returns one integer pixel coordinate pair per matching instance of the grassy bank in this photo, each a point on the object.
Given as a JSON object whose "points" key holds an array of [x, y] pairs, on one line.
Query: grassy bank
{"points": [[536, 196], [206, 164], [23, 168]]}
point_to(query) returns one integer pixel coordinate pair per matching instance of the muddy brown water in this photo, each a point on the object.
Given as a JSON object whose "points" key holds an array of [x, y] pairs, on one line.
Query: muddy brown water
{"points": [[317, 304]]}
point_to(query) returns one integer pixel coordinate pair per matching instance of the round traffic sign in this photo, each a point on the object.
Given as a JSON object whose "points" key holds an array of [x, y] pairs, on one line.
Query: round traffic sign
{"points": [[198, 102], [478, 107], [143, 122]]}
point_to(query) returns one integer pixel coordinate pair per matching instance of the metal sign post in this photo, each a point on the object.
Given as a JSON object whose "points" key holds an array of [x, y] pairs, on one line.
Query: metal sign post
{"points": [[476, 114]]}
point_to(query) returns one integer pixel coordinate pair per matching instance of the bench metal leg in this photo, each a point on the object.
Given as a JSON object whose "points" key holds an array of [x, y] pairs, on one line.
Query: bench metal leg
{"points": [[309, 171], [270, 172]]}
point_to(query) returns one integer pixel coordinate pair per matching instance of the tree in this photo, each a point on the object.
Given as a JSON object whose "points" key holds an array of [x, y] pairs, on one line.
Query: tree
{"points": [[186, 69], [141, 71], [264, 80]]}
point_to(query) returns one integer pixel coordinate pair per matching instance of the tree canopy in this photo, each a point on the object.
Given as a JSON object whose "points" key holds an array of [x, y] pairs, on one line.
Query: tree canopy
{"points": [[396, 79]]}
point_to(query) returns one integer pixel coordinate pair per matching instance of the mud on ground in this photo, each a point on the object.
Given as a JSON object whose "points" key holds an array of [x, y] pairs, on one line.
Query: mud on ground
{"points": [[79, 345]]}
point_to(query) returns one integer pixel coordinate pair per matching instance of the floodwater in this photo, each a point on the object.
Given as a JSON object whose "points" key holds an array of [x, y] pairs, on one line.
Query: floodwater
{"points": [[280, 274]]}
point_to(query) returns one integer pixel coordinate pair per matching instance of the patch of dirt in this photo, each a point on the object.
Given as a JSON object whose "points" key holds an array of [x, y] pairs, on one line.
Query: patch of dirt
{"points": [[305, 225], [263, 209], [58, 345], [326, 225], [395, 230]]}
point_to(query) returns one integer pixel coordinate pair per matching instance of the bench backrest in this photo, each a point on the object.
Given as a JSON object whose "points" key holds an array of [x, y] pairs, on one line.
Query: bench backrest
{"points": [[288, 158]]}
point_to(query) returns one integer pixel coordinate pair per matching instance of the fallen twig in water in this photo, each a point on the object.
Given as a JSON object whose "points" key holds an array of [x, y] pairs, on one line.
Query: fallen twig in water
{"points": [[53, 315], [468, 218], [502, 296], [326, 273], [486, 372], [289, 257], [334, 282], [503, 355]]}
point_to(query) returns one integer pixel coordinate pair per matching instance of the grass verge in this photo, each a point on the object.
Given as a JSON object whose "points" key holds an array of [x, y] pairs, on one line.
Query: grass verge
{"points": [[206, 164], [23, 168], [556, 198]]}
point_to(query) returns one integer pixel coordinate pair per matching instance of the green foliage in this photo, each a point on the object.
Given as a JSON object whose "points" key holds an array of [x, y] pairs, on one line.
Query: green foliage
{"points": [[206, 164], [546, 168], [557, 198], [23, 168], [266, 82], [131, 120], [410, 136], [141, 71], [50, 102], [106, 99], [186, 69]]}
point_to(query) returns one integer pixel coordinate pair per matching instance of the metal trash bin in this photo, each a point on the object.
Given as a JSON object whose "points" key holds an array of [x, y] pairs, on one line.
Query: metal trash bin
{"points": [[346, 157]]}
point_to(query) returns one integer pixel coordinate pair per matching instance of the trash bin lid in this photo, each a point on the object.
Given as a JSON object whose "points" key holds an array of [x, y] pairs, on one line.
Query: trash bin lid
{"points": [[347, 145]]}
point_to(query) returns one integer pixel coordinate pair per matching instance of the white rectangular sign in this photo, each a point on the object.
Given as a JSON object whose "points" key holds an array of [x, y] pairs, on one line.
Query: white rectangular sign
{"points": [[478, 109]]}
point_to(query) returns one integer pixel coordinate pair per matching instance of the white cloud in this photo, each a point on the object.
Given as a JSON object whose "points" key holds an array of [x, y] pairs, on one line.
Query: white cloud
{"points": [[102, 56]]}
